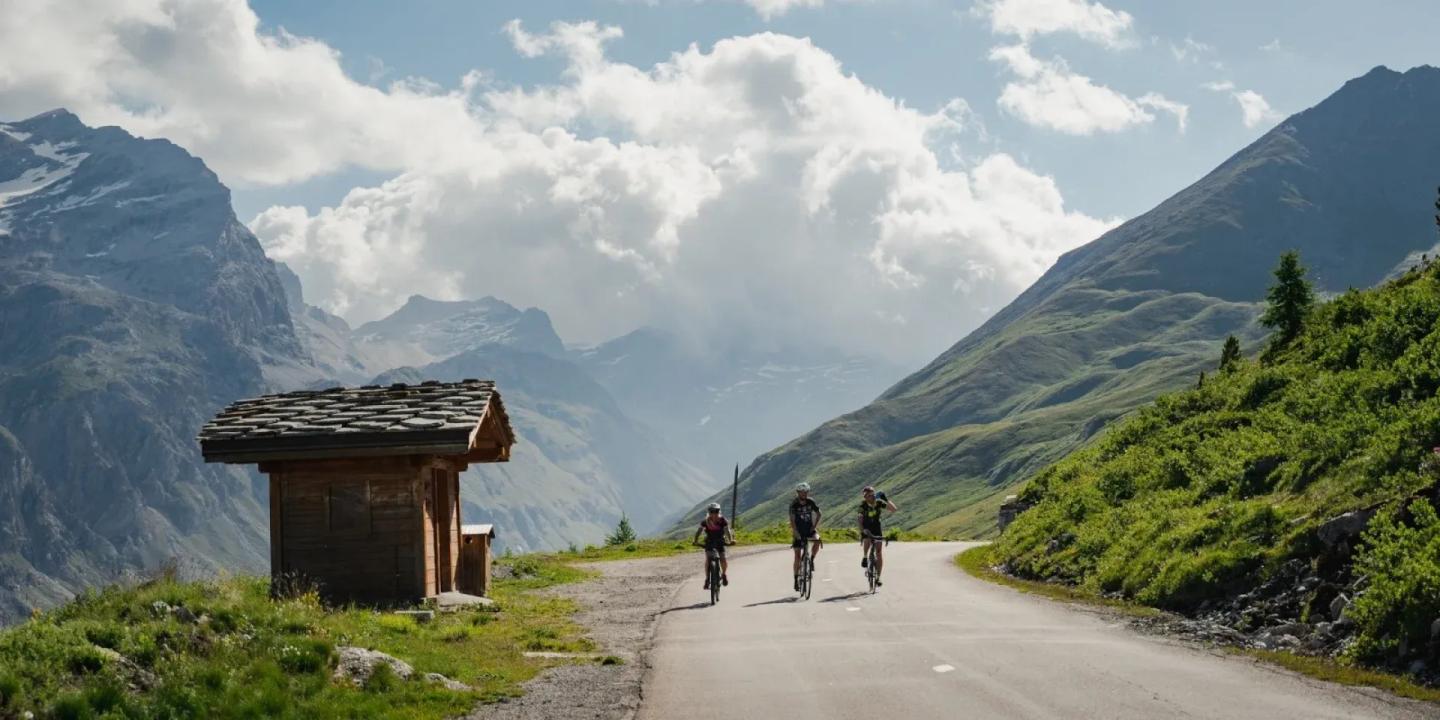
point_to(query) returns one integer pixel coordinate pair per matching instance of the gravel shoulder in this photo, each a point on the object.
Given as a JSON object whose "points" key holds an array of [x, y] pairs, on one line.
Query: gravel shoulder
{"points": [[621, 608]]}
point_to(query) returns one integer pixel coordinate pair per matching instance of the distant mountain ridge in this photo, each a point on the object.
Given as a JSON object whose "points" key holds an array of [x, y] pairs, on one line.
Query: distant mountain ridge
{"points": [[1139, 311], [723, 405]]}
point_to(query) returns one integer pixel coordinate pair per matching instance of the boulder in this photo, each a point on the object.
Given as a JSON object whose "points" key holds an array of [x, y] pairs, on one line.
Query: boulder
{"points": [[438, 679], [138, 678], [1345, 527], [356, 665], [1338, 607]]}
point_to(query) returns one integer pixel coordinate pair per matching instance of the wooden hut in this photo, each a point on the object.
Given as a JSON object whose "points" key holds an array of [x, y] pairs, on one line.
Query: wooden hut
{"points": [[365, 482]]}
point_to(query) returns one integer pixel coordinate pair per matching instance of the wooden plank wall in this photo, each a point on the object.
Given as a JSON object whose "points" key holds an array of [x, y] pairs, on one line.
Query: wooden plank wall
{"points": [[351, 525]]}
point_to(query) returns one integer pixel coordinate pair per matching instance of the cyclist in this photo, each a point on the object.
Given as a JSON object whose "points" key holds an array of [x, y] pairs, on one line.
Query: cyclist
{"points": [[804, 525], [717, 535], [871, 507]]}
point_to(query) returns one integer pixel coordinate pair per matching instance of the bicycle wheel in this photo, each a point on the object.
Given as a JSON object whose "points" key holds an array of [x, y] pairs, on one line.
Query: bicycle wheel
{"points": [[809, 575], [871, 573], [714, 581]]}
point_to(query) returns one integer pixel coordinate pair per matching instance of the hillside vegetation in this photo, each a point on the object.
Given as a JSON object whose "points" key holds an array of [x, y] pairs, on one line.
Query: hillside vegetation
{"points": [[1305, 479]]}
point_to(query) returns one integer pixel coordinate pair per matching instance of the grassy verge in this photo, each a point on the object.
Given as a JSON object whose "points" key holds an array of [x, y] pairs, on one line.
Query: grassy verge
{"points": [[1336, 672], [235, 653], [777, 534], [977, 562]]}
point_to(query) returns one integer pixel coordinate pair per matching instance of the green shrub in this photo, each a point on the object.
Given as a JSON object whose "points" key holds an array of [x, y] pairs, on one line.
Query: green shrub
{"points": [[382, 679], [304, 658], [9, 689], [72, 707], [1401, 600], [400, 624]]}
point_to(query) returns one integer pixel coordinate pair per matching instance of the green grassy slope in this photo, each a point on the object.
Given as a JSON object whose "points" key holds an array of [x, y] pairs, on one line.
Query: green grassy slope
{"points": [[1207, 493], [1138, 312], [225, 649]]}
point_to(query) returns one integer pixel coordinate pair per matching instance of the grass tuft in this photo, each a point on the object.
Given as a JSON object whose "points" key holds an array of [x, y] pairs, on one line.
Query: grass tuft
{"points": [[977, 561]]}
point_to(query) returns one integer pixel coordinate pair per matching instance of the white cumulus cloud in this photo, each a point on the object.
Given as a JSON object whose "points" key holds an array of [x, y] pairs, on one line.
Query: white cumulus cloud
{"points": [[1255, 110], [751, 190], [1027, 19], [770, 9], [1048, 94]]}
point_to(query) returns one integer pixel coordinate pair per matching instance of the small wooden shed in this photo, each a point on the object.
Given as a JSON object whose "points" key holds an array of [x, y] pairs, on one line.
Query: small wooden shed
{"points": [[475, 544], [365, 483]]}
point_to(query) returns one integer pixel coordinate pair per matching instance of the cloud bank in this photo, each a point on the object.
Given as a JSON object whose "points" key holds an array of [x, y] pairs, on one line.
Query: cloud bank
{"points": [[749, 191]]}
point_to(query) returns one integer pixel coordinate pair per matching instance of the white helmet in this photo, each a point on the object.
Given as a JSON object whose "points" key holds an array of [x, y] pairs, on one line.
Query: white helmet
{"points": [[803, 487], [714, 507]]}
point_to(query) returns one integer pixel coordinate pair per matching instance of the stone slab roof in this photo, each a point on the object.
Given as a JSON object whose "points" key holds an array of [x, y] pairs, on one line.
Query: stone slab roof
{"points": [[429, 418]]}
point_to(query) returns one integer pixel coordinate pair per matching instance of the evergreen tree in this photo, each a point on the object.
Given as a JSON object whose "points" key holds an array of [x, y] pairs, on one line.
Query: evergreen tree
{"points": [[1230, 355], [624, 534], [1290, 300]]}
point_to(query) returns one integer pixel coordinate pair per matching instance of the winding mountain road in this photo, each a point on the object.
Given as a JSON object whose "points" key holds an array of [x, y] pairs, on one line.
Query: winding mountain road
{"points": [[937, 643]]}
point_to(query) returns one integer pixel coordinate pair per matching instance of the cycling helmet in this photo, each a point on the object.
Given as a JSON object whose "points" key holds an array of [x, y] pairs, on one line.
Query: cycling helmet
{"points": [[714, 507], [868, 489], [803, 487]]}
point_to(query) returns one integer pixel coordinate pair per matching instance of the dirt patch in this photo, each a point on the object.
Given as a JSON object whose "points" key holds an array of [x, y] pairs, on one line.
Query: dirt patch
{"points": [[621, 608]]}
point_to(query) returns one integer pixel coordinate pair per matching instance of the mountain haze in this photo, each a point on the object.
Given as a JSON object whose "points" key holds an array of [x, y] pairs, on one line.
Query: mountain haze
{"points": [[1141, 310], [579, 462]]}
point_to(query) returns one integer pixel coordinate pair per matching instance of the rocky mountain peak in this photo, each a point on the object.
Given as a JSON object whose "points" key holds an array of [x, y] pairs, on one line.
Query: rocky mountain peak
{"points": [[140, 217]]}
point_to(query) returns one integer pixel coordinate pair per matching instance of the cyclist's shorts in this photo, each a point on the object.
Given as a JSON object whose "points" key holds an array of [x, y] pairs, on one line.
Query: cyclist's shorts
{"points": [[875, 530], [716, 549], [799, 544]]}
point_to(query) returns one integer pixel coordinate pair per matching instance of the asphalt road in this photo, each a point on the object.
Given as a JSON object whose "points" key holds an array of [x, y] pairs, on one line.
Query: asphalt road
{"points": [[937, 643]]}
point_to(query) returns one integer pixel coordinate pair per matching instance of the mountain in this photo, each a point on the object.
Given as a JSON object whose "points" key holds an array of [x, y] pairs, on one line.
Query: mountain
{"points": [[579, 462], [132, 306], [331, 355], [425, 330], [719, 406], [1139, 311]]}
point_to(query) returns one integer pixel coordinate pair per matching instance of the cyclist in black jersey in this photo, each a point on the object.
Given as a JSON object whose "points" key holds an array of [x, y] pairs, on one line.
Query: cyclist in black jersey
{"points": [[716, 530], [872, 507], [804, 525]]}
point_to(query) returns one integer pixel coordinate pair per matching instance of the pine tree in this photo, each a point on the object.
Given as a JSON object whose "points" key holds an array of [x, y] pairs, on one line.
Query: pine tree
{"points": [[1230, 355], [624, 534], [1290, 298]]}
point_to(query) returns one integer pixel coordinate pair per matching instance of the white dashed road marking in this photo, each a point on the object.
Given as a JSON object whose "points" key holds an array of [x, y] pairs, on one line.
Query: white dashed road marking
{"points": [[943, 668]]}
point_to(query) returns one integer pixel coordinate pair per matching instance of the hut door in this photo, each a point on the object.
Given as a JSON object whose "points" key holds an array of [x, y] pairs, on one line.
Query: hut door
{"points": [[444, 529]]}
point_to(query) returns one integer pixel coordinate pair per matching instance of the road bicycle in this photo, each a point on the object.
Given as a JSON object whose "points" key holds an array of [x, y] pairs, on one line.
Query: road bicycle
{"points": [[807, 566], [872, 572], [712, 572], [713, 557]]}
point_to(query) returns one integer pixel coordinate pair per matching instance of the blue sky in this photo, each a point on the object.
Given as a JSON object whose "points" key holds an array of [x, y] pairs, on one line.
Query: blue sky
{"points": [[925, 52], [878, 177]]}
